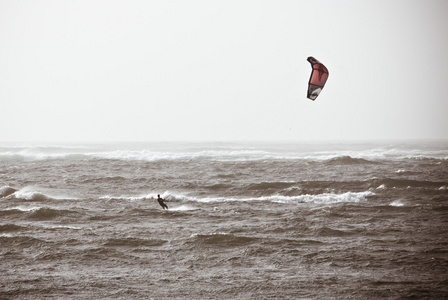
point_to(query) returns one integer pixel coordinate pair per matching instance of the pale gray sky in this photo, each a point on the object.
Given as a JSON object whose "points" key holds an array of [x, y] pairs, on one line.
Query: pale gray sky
{"points": [[102, 70]]}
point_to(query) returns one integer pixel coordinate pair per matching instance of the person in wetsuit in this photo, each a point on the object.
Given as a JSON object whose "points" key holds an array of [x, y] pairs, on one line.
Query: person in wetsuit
{"points": [[160, 200]]}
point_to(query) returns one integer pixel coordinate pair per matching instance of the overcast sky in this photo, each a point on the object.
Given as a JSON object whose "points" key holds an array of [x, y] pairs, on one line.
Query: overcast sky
{"points": [[96, 71]]}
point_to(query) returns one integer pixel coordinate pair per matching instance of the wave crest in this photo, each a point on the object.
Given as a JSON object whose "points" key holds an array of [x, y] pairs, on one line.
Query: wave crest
{"points": [[46, 213], [325, 198], [348, 160], [31, 196], [6, 191]]}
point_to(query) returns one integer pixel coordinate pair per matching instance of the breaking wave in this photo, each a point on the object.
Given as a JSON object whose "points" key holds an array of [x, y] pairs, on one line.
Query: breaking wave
{"points": [[332, 154], [6, 191], [36, 213], [29, 195], [45, 213], [325, 198]]}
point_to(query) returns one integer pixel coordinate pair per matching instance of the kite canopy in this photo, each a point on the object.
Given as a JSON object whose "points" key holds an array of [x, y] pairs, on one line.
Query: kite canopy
{"points": [[319, 76]]}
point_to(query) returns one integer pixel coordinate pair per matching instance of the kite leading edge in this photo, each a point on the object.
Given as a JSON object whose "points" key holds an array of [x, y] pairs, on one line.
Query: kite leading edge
{"points": [[318, 78]]}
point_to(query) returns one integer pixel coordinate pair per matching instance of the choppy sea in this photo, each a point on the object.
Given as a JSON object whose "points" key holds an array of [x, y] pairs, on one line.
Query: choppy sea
{"points": [[245, 221]]}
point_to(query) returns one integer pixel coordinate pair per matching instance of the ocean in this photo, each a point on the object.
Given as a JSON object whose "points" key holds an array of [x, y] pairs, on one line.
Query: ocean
{"points": [[245, 221]]}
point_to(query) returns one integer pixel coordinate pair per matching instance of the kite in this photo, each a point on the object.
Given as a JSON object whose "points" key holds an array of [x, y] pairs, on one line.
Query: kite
{"points": [[318, 77]]}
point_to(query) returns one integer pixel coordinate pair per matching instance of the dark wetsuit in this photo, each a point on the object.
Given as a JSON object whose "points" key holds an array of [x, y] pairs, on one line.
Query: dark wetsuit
{"points": [[160, 200]]}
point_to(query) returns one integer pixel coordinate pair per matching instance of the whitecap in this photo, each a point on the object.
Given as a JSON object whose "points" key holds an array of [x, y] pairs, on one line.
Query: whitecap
{"points": [[26, 194], [326, 198], [183, 208], [381, 187], [63, 227], [24, 209], [397, 203]]}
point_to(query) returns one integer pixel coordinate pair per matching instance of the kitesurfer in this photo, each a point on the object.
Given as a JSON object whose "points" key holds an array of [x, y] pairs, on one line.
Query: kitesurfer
{"points": [[160, 200]]}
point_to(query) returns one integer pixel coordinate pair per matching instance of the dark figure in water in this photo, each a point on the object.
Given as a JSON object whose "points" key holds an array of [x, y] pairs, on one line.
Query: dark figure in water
{"points": [[160, 200]]}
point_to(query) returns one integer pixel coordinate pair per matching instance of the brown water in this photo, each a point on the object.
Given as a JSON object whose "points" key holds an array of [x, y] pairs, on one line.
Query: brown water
{"points": [[324, 221]]}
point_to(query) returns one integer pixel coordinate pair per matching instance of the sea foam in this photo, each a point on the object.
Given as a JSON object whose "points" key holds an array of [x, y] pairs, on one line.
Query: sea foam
{"points": [[325, 198]]}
